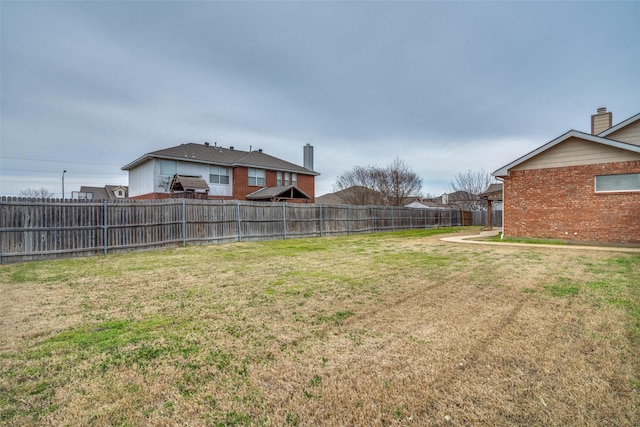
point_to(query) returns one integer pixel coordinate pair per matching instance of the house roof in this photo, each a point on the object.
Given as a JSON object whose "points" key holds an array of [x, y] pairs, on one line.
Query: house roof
{"points": [[341, 197], [493, 192], [215, 155], [493, 188], [278, 193], [189, 183], [620, 126], [571, 134], [104, 193]]}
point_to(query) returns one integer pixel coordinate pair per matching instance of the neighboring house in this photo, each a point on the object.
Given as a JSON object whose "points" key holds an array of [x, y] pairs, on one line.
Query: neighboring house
{"points": [[108, 192], [356, 195], [456, 200], [420, 203], [228, 173], [578, 186]]}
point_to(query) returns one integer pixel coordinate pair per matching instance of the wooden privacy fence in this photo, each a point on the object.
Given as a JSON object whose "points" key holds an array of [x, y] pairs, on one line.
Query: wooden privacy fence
{"points": [[41, 229]]}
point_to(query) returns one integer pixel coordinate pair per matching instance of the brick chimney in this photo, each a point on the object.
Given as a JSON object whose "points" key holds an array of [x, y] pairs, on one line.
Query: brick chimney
{"points": [[601, 121]]}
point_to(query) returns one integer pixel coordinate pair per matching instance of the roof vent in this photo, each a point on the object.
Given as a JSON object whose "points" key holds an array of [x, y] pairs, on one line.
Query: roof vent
{"points": [[206, 143], [260, 150], [231, 148]]}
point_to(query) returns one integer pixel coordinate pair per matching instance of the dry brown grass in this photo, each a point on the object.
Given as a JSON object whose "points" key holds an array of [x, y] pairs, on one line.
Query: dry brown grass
{"points": [[395, 329]]}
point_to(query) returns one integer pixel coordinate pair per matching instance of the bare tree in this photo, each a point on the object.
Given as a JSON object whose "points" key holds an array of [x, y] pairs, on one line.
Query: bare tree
{"points": [[468, 185], [398, 182], [373, 185], [36, 193], [358, 186]]}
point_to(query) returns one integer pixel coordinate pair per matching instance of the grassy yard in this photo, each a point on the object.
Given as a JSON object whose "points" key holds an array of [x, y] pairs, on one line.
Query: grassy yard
{"points": [[379, 329]]}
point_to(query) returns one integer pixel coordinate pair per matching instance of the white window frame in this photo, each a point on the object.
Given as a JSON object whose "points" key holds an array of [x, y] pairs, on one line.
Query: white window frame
{"points": [[285, 179], [164, 167], [616, 183], [219, 175], [257, 177]]}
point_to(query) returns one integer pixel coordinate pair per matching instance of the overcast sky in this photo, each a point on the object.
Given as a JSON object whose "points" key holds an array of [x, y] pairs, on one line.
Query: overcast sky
{"points": [[89, 86]]}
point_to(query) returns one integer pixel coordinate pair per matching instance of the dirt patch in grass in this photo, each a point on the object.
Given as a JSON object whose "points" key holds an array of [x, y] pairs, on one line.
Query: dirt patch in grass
{"points": [[396, 328]]}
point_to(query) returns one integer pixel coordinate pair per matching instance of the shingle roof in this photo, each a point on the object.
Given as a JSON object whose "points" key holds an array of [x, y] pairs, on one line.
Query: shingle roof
{"points": [[269, 193], [572, 133], [189, 183], [104, 193], [214, 155]]}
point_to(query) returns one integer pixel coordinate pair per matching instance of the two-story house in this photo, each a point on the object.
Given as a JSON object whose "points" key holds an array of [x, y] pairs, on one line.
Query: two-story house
{"points": [[229, 173]]}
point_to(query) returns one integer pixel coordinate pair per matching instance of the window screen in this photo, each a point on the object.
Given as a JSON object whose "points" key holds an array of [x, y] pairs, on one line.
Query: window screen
{"points": [[623, 182]]}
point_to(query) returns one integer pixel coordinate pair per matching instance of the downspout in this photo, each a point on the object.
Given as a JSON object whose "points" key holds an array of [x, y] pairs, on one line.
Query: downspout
{"points": [[501, 179]]}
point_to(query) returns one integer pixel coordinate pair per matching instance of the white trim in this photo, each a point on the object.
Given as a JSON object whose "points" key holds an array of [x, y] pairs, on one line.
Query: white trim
{"points": [[619, 126], [504, 171]]}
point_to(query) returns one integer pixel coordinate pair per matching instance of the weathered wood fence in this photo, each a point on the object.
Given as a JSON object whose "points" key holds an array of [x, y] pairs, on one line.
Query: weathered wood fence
{"points": [[33, 229]]}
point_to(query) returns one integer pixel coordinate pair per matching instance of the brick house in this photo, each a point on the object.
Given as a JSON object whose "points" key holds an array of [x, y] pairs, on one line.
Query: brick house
{"points": [[579, 186], [230, 174]]}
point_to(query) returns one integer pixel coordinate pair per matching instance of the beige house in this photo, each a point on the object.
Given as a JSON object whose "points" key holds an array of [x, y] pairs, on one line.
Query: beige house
{"points": [[578, 186]]}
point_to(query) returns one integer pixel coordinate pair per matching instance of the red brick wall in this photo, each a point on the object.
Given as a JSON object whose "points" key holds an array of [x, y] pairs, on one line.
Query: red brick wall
{"points": [[241, 185], [561, 203], [307, 183]]}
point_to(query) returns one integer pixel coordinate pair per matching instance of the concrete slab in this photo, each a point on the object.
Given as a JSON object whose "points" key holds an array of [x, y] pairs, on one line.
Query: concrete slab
{"points": [[495, 232]]}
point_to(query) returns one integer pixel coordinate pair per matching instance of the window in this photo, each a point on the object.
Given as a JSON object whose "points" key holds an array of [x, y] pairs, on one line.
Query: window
{"points": [[286, 178], [218, 175], [623, 182], [283, 179], [167, 167], [256, 177]]}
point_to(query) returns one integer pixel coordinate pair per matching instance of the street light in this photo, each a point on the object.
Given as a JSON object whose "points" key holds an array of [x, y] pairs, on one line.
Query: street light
{"points": [[63, 172]]}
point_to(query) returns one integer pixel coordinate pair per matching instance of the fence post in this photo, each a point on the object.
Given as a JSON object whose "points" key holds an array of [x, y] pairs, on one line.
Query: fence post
{"points": [[184, 222], [393, 222], [320, 220], [239, 221], [373, 221], [284, 219], [348, 219], [410, 220], [1, 216], [105, 234]]}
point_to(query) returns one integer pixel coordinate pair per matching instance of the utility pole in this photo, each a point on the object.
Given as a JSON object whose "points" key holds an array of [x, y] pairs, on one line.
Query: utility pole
{"points": [[63, 172]]}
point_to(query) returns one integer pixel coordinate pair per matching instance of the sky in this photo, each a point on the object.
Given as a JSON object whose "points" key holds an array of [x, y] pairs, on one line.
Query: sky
{"points": [[447, 87]]}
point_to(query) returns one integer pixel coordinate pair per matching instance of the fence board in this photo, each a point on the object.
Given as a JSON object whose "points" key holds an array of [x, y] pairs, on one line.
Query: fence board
{"points": [[41, 228]]}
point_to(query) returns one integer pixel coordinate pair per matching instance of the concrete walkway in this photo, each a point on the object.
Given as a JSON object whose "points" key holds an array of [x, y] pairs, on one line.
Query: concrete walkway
{"points": [[495, 232]]}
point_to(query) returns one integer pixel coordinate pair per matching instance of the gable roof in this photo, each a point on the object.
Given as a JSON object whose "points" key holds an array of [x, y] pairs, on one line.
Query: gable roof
{"points": [[104, 193], [189, 183], [278, 193], [620, 125], [214, 155], [571, 134]]}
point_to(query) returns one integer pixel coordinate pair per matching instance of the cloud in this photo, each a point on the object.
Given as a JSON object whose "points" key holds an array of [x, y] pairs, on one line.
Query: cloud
{"points": [[445, 86]]}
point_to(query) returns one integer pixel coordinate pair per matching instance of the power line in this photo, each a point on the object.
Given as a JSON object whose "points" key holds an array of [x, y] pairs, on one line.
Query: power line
{"points": [[58, 161], [57, 171]]}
